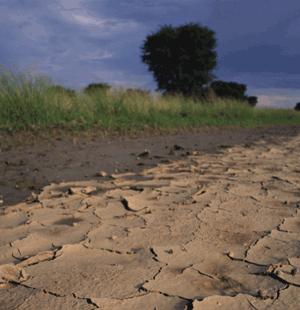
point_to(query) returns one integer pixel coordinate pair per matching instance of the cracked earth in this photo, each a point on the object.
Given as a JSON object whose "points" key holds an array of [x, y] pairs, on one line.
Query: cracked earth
{"points": [[211, 231]]}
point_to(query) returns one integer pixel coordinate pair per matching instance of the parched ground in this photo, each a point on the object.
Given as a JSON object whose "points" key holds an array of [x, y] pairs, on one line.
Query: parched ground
{"points": [[208, 231]]}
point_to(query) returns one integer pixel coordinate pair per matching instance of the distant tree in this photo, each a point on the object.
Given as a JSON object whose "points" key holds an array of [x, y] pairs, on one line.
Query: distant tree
{"points": [[181, 58], [252, 100], [297, 106], [95, 87], [230, 90]]}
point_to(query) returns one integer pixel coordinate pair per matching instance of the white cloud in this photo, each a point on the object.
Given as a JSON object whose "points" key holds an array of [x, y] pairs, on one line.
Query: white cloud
{"points": [[87, 20], [106, 26], [121, 79], [97, 55]]}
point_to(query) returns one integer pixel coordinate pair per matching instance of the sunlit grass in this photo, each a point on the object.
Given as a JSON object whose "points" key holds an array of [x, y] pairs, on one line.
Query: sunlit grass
{"points": [[28, 102]]}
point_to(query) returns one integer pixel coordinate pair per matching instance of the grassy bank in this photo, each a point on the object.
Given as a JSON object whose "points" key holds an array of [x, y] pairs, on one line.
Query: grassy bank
{"points": [[29, 102]]}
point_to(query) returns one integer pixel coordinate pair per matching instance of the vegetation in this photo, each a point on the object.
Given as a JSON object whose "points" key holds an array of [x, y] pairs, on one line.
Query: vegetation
{"points": [[137, 91], [252, 100], [62, 90], [181, 58], [96, 87], [28, 102], [297, 107], [232, 90]]}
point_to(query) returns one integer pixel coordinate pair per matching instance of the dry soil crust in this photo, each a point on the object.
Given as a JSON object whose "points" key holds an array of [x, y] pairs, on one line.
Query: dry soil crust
{"points": [[28, 163], [209, 231]]}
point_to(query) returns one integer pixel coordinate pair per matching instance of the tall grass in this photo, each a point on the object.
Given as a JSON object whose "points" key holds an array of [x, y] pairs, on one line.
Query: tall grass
{"points": [[27, 101]]}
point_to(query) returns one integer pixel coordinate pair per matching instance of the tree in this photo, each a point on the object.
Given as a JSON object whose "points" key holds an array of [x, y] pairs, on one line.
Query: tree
{"points": [[181, 58], [297, 107], [231, 90], [252, 100], [95, 87]]}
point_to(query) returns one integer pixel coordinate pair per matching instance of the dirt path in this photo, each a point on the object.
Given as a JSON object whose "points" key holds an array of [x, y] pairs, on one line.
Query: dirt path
{"points": [[28, 163], [208, 231]]}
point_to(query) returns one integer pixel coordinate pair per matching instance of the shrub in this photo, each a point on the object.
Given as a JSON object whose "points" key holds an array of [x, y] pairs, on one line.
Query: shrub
{"points": [[252, 100], [95, 87], [231, 90]]}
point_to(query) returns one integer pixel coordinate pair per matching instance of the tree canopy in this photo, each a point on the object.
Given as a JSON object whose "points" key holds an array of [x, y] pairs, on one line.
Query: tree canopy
{"points": [[229, 89], [95, 87], [232, 90], [181, 58], [252, 100]]}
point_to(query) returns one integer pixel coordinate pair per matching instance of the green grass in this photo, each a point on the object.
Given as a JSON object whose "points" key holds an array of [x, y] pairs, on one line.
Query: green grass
{"points": [[28, 102]]}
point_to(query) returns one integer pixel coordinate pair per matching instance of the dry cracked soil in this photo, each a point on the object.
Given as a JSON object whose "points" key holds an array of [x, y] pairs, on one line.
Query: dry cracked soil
{"points": [[206, 231]]}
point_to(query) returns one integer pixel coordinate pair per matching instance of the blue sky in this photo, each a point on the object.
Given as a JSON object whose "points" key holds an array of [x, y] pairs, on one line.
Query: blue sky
{"points": [[81, 41]]}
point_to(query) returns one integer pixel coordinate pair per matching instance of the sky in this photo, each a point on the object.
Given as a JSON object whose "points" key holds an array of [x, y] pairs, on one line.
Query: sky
{"points": [[77, 42]]}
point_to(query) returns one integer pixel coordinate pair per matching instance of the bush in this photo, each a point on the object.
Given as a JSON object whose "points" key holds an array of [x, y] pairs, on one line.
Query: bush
{"points": [[230, 90], [181, 58], [252, 100], [96, 87]]}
